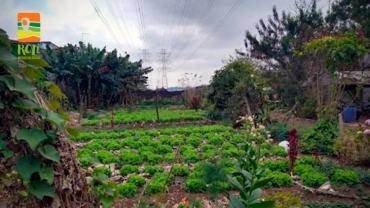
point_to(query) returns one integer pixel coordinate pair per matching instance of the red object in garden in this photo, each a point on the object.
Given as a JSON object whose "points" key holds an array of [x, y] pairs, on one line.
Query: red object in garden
{"points": [[293, 148], [360, 33], [195, 103], [112, 121]]}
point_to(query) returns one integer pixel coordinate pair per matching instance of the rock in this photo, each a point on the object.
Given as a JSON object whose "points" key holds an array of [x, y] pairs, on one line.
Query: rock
{"points": [[115, 173], [296, 178], [117, 179], [331, 190], [112, 167], [284, 144], [99, 166], [90, 170], [325, 187]]}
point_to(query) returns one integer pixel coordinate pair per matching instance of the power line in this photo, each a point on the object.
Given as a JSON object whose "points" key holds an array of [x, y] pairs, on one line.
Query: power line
{"points": [[173, 22], [179, 28], [140, 19], [173, 7], [121, 12], [145, 57], [230, 12], [117, 23], [200, 21], [101, 16]]}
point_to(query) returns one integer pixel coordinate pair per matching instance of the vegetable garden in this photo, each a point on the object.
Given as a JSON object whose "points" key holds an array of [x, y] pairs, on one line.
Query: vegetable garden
{"points": [[147, 163]]}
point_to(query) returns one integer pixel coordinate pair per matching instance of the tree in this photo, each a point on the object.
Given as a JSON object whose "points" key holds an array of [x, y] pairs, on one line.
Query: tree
{"points": [[346, 15], [276, 42], [236, 90]]}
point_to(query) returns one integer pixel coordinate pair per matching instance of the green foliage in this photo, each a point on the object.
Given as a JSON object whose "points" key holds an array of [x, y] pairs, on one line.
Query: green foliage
{"points": [[276, 165], [284, 200], [301, 169], [195, 185], [278, 131], [154, 187], [126, 190], [279, 179], [130, 157], [170, 157], [105, 189], [180, 170], [152, 169], [305, 160], [278, 151], [106, 157], [138, 180], [190, 156], [321, 136], [105, 170], [345, 177], [248, 180], [127, 169], [314, 179]]}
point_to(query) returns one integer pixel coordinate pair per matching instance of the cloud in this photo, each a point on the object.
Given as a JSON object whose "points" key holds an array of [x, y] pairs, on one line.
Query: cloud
{"points": [[193, 45]]}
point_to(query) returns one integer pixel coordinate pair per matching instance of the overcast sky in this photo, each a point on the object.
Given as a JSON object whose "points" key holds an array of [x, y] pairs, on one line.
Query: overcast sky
{"points": [[189, 30]]}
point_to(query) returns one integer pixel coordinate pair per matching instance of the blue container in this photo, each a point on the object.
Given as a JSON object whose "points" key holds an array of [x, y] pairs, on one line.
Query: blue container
{"points": [[349, 114]]}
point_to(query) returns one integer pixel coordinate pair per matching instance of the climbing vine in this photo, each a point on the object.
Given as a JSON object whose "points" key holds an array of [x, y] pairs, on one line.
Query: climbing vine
{"points": [[29, 142]]}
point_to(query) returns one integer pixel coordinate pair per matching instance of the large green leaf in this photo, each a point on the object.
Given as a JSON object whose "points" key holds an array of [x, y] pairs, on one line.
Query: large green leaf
{"points": [[20, 85], [46, 173], [263, 204], [8, 60], [7, 153], [235, 202], [1, 105], [53, 118], [32, 136], [25, 104], [106, 201], [26, 166], [49, 152], [41, 189], [73, 132]]}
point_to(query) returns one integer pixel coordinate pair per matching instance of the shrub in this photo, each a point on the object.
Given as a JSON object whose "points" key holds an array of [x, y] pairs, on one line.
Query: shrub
{"points": [[163, 177], [106, 157], [170, 157], [345, 177], [152, 169], [154, 159], [327, 205], [190, 156], [278, 151], [321, 136], [278, 131], [265, 145], [305, 160], [327, 168], [265, 153], [314, 179], [180, 170], [184, 148], [154, 187], [285, 200], [279, 179], [193, 141], [95, 145], [301, 169], [163, 149], [113, 145], [130, 157], [195, 185], [215, 140], [354, 149], [209, 154], [138, 180], [276, 165], [126, 190], [127, 169], [104, 170]]}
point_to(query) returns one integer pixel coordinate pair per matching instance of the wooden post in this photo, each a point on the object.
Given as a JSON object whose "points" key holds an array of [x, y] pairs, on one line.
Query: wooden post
{"points": [[291, 112], [341, 124], [81, 111], [156, 104]]}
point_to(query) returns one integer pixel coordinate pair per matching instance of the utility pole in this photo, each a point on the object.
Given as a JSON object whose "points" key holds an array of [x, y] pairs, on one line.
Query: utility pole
{"points": [[164, 68], [145, 57]]}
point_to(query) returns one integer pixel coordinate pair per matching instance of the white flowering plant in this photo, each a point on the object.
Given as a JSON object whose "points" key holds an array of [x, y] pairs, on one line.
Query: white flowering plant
{"points": [[254, 132]]}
